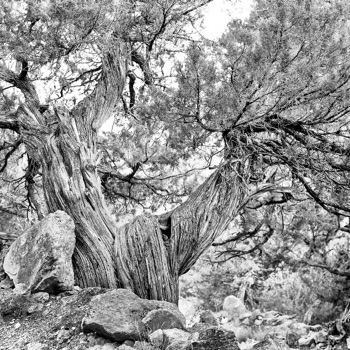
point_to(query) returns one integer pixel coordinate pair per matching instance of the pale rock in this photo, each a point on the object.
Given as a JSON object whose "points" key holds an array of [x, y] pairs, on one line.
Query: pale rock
{"points": [[172, 335], [95, 347], [41, 258], [306, 342], [108, 346], [37, 346], [35, 308], [40, 297], [157, 338], [63, 335], [233, 307], [125, 347], [179, 345], [188, 309]]}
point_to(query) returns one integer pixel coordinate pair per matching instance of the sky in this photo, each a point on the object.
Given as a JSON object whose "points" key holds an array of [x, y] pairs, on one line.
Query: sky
{"points": [[219, 12]]}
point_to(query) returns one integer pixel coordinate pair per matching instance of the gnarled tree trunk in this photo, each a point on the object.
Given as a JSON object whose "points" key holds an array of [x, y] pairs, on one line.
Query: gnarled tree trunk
{"points": [[140, 255]]}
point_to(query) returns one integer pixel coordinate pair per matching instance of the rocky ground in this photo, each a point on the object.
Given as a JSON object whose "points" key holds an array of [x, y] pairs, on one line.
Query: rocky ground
{"points": [[48, 322]]}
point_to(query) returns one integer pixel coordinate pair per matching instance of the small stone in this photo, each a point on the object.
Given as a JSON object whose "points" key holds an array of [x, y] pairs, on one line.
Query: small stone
{"points": [[157, 338], [6, 283], [41, 297], [129, 342], [37, 346], [125, 347], [35, 308], [17, 325], [178, 345], [63, 335], [108, 346]]}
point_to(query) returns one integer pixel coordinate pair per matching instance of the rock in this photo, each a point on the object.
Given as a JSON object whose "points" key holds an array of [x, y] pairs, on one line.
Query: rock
{"points": [[215, 338], [14, 304], [142, 345], [37, 346], [40, 297], [129, 343], [125, 347], [300, 328], [271, 341], [6, 283], [108, 346], [161, 319], [117, 315], [207, 317], [188, 309], [233, 307], [172, 335], [157, 338], [292, 339], [306, 342], [321, 337], [63, 335], [41, 258], [35, 308], [246, 315], [179, 345]]}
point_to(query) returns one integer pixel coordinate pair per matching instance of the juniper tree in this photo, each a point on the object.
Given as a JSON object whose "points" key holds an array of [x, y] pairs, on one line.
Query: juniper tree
{"points": [[269, 100]]}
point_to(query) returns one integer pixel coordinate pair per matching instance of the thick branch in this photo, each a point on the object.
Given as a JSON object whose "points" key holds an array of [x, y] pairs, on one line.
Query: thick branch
{"points": [[10, 122], [328, 268]]}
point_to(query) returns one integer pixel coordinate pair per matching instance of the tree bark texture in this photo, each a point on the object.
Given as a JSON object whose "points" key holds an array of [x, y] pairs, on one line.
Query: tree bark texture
{"points": [[140, 255]]}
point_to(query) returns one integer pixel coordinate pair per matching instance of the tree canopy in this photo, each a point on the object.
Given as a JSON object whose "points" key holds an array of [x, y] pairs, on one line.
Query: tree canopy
{"points": [[262, 114]]}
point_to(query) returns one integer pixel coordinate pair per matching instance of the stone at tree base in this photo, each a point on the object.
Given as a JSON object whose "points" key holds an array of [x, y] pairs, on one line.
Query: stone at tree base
{"points": [[161, 319], [117, 315], [41, 258]]}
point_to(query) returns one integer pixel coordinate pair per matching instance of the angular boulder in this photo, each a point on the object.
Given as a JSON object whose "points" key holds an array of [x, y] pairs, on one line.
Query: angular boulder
{"points": [[119, 314], [41, 258]]}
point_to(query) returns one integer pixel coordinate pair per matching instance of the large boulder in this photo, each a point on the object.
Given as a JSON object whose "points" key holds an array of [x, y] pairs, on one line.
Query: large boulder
{"points": [[120, 315], [41, 258], [233, 308]]}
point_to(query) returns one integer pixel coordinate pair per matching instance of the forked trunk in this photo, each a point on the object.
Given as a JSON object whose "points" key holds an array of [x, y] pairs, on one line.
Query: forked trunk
{"points": [[143, 255]]}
